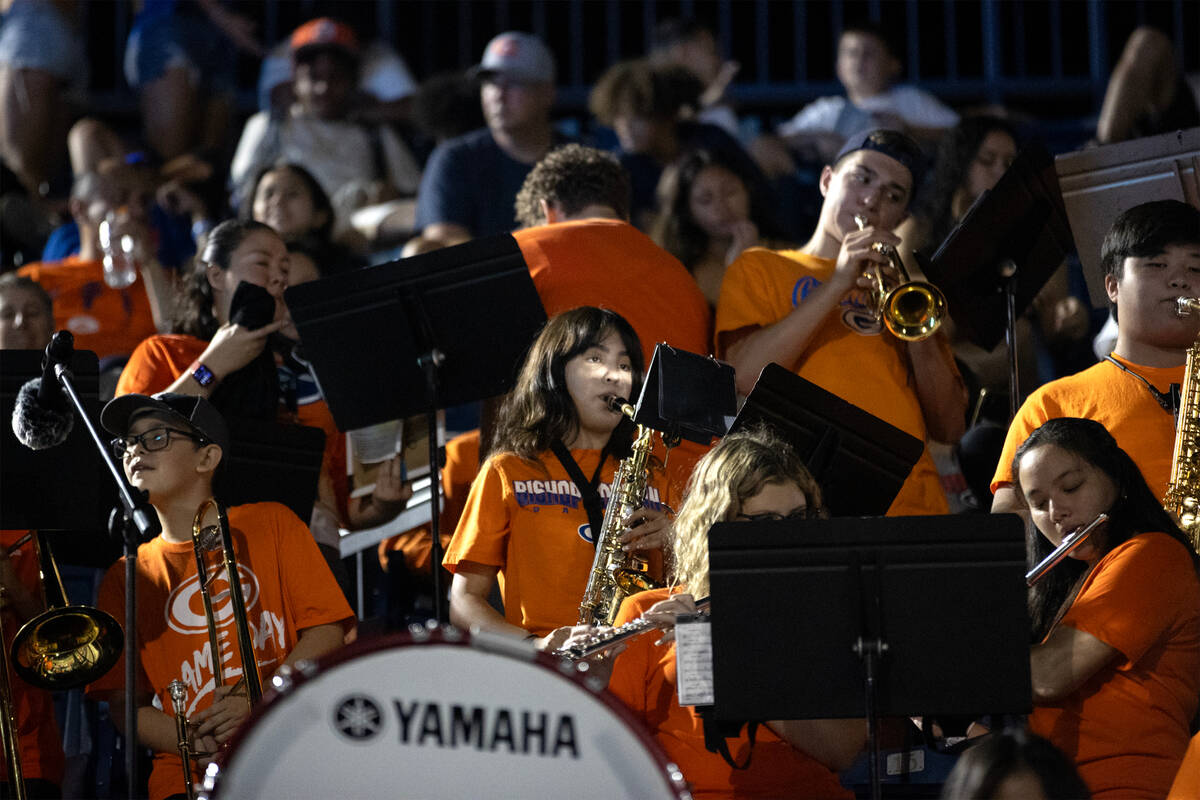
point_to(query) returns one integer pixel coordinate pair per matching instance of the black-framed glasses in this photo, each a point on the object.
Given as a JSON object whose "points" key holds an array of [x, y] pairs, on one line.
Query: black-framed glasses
{"points": [[151, 440], [808, 512]]}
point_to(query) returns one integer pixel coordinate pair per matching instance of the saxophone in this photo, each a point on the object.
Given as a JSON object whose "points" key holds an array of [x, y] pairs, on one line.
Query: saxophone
{"points": [[1183, 491], [616, 574]]}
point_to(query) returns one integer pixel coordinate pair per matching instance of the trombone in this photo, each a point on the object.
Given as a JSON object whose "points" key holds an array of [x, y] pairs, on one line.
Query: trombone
{"points": [[204, 540], [912, 310], [63, 647]]}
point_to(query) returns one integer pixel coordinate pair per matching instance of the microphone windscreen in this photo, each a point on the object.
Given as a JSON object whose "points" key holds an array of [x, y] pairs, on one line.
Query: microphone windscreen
{"points": [[36, 426]]}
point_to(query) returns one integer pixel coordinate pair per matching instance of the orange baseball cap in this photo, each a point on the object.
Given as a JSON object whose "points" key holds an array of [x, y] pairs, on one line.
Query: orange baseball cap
{"points": [[324, 32]]}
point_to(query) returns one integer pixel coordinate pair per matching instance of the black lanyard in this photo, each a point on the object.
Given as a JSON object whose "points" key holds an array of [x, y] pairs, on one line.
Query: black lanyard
{"points": [[1168, 400], [588, 490]]}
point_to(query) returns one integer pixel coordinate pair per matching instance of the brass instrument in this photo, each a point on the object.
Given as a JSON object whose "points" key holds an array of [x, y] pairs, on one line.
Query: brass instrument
{"points": [[178, 691], [616, 574], [8, 719], [603, 640], [1183, 489], [912, 310], [204, 540], [1064, 549], [66, 646]]}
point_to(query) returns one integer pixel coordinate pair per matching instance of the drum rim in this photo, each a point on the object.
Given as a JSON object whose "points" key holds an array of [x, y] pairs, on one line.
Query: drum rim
{"points": [[442, 635]]}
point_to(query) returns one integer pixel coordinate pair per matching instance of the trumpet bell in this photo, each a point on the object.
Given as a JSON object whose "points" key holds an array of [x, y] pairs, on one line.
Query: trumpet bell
{"points": [[66, 647], [914, 311]]}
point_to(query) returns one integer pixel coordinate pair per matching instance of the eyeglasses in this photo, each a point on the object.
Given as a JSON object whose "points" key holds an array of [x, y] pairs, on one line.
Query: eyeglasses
{"points": [[151, 440], [771, 516]]}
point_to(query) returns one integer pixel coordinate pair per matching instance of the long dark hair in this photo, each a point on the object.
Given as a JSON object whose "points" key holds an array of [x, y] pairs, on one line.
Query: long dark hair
{"points": [[956, 151], [676, 230], [1136, 509], [539, 411], [252, 391], [320, 200]]}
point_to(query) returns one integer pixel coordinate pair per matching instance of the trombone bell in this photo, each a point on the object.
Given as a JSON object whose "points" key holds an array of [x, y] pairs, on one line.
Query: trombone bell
{"points": [[67, 647]]}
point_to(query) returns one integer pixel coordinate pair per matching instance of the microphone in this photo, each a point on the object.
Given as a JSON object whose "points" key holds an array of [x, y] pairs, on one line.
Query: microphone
{"points": [[42, 417]]}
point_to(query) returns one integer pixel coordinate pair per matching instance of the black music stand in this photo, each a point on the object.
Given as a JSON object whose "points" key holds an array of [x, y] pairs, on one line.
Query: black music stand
{"points": [[859, 460], [272, 461], [416, 335], [687, 396], [887, 616], [997, 259]]}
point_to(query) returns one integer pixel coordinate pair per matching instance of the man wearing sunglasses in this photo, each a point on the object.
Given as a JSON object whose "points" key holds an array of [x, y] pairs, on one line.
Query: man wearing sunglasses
{"points": [[170, 446]]}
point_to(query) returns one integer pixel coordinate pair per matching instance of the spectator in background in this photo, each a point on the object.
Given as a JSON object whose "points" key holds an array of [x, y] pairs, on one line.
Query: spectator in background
{"points": [[179, 60], [357, 164], [447, 106], [107, 318], [868, 65], [26, 314], [42, 66], [1148, 92], [289, 199], [688, 44], [1014, 764], [385, 85], [642, 104], [470, 181], [709, 217]]}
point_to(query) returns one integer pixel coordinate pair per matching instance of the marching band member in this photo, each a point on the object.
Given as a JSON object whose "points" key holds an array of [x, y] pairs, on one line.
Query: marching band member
{"points": [[557, 442], [171, 445], [750, 476], [1116, 676], [37, 734]]}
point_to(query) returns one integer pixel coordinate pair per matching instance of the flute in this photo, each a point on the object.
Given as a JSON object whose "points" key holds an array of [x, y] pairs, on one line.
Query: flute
{"points": [[603, 640], [1065, 549]]}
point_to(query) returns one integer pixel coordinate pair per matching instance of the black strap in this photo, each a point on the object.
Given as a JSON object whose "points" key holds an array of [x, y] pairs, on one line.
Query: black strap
{"points": [[716, 733], [588, 490], [1169, 400]]}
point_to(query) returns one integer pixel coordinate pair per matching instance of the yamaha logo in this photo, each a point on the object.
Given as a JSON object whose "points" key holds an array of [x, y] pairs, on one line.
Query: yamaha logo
{"points": [[185, 606], [358, 718]]}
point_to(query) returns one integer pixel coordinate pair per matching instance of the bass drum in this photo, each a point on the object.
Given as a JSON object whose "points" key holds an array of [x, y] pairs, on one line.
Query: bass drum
{"points": [[440, 714]]}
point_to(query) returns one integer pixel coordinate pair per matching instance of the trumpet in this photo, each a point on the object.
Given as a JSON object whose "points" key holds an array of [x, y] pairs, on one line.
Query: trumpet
{"points": [[912, 310], [1064, 549], [206, 539]]}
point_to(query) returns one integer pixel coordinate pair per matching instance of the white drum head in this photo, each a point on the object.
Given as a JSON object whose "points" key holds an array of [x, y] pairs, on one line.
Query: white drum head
{"points": [[443, 720]]}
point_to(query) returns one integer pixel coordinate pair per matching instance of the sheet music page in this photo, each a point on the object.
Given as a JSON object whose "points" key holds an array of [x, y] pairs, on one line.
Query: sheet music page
{"points": [[693, 660]]}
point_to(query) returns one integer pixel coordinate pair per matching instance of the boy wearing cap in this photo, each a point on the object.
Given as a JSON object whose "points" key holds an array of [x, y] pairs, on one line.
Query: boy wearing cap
{"points": [[809, 310], [470, 181], [351, 160], [170, 446]]}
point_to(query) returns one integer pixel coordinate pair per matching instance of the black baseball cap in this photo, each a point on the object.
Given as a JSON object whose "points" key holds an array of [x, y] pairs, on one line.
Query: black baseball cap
{"points": [[192, 412], [891, 143]]}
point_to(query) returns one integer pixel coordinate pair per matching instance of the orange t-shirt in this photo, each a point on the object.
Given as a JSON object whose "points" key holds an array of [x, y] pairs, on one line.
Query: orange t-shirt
{"points": [[33, 708], [1126, 728], [1187, 780], [644, 679], [1115, 399], [287, 587], [462, 465], [159, 360], [846, 356], [611, 264], [528, 519], [108, 321]]}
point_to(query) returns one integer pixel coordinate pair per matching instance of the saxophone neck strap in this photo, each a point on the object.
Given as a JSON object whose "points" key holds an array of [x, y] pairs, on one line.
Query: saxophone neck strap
{"points": [[589, 490], [1169, 400]]}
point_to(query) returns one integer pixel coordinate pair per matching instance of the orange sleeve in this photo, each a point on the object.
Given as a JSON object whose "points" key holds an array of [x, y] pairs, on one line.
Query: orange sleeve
{"points": [[111, 599], [1029, 418], [482, 532], [157, 362], [743, 297], [312, 595], [631, 676], [1122, 603]]}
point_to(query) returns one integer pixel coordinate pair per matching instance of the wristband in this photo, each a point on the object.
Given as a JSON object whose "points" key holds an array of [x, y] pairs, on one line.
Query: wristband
{"points": [[202, 374]]}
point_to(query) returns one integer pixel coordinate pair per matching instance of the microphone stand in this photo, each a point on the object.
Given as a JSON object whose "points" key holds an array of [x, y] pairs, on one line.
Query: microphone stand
{"points": [[137, 520]]}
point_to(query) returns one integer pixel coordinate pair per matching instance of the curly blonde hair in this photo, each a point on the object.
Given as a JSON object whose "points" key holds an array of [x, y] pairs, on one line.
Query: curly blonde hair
{"points": [[730, 474]]}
